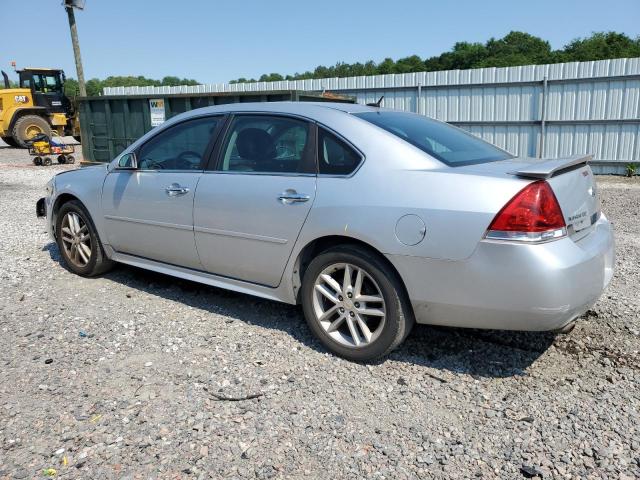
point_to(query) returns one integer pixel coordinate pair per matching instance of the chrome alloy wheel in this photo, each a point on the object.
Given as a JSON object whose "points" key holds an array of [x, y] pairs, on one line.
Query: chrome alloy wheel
{"points": [[76, 239], [348, 304]]}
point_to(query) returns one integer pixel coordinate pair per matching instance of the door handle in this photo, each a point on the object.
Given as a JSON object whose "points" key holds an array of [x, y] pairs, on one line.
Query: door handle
{"points": [[291, 196], [175, 190]]}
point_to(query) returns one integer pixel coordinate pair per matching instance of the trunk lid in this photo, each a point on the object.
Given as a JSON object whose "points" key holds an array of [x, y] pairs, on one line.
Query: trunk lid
{"points": [[570, 178], [577, 194]]}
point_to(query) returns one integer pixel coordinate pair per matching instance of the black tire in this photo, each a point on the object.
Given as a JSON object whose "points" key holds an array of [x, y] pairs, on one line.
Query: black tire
{"points": [[37, 161], [71, 159], [9, 141], [46, 161], [399, 318], [26, 124], [61, 159], [98, 262]]}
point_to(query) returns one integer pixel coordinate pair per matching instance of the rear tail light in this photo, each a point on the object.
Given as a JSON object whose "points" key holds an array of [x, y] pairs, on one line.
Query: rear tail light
{"points": [[533, 215]]}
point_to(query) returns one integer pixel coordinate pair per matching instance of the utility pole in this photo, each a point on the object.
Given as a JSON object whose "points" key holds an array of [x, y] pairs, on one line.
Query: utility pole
{"points": [[69, 5]]}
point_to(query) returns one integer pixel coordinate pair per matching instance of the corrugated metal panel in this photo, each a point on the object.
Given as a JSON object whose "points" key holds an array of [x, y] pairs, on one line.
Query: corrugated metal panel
{"points": [[589, 107]]}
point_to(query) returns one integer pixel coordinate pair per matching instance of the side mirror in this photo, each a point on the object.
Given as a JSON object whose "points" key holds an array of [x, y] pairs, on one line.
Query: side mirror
{"points": [[128, 162]]}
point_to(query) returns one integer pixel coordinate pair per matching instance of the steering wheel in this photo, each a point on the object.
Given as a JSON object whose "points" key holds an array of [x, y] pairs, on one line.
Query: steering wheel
{"points": [[183, 162], [241, 164], [151, 164]]}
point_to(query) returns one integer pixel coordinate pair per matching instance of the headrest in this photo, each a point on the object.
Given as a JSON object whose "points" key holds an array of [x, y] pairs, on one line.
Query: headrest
{"points": [[255, 144]]}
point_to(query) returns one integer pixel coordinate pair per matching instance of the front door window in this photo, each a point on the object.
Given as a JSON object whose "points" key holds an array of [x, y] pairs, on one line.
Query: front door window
{"points": [[181, 147]]}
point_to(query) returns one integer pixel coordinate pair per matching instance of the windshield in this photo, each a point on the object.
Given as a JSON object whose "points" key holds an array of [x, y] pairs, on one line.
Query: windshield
{"points": [[47, 82], [450, 145]]}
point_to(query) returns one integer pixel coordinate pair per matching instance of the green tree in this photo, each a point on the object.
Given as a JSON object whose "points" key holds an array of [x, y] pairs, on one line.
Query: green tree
{"points": [[387, 66], [464, 55], [410, 64], [516, 48], [71, 88], [176, 81], [94, 87], [170, 81], [602, 45], [320, 72], [271, 77]]}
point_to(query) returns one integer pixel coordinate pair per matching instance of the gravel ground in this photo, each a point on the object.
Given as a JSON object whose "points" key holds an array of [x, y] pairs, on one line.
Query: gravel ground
{"points": [[133, 375]]}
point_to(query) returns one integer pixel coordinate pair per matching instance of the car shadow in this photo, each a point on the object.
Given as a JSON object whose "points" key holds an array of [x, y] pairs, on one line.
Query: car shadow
{"points": [[480, 353]]}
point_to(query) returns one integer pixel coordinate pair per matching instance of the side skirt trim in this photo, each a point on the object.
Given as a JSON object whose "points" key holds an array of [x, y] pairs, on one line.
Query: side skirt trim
{"points": [[200, 277]]}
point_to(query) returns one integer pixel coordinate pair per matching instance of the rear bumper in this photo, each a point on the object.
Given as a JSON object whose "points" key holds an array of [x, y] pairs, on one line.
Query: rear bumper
{"points": [[512, 286]]}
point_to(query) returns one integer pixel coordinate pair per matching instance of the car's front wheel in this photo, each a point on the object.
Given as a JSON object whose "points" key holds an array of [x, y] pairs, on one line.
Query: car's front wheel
{"points": [[78, 241], [355, 304]]}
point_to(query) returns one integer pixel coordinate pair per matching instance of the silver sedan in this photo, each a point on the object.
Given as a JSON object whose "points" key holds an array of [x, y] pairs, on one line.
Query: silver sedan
{"points": [[369, 218]]}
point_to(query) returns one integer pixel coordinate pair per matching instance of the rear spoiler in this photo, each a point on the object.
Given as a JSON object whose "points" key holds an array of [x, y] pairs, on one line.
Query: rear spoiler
{"points": [[550, 168]]}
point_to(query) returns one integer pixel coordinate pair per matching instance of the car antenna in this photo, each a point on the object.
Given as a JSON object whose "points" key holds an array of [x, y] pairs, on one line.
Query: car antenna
{"points": [[376, 104]]}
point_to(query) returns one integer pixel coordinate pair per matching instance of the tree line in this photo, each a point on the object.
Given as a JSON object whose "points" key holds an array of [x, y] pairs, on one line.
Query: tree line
{"points": [[515, 48], [95, 85]]}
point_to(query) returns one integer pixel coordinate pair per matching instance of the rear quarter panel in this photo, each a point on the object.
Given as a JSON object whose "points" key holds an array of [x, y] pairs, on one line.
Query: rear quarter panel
{"points": [[397, 179]]}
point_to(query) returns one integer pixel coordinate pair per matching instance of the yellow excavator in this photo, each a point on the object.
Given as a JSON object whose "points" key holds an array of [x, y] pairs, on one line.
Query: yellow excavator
{"points": [[39, 105]]}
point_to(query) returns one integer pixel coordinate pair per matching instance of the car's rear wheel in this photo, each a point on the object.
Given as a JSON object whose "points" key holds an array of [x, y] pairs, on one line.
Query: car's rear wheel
{"points": [[355, 304], [78, 241]]}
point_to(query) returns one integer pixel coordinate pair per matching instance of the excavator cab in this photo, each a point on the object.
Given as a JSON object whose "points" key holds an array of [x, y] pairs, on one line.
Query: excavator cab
{"points": [[47, 89]]}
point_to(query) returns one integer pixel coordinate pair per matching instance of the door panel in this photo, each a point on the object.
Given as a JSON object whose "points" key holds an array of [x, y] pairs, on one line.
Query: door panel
{"points": [[248, 214], [149, 212], [243, 229], [144, 217]]}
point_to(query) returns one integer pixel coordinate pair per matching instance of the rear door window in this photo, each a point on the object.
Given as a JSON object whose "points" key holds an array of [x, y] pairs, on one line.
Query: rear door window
{"points": [[267, 144], [335, 157]]}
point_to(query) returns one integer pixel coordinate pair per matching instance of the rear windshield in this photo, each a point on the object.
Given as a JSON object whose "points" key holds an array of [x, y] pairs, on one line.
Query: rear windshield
{"points": [[448, 144]]}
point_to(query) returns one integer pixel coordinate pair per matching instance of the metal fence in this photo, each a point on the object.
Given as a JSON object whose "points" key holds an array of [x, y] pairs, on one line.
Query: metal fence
{"points": [[542, 111]]}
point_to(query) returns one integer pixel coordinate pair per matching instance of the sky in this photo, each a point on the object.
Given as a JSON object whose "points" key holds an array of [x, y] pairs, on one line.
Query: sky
{"points": [[215, 41]]}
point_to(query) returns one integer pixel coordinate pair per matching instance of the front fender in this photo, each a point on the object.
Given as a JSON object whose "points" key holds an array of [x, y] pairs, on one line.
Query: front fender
{"points": [[84, 184], [15, 112]]}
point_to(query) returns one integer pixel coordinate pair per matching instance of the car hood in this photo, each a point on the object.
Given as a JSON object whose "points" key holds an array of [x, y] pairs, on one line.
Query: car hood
{"points": [[80, 179], [89, 168]]}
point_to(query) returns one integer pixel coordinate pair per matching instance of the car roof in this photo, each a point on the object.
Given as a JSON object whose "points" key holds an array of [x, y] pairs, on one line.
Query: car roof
{"points": [[301, 108], [344, 107], [336, 116]]}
